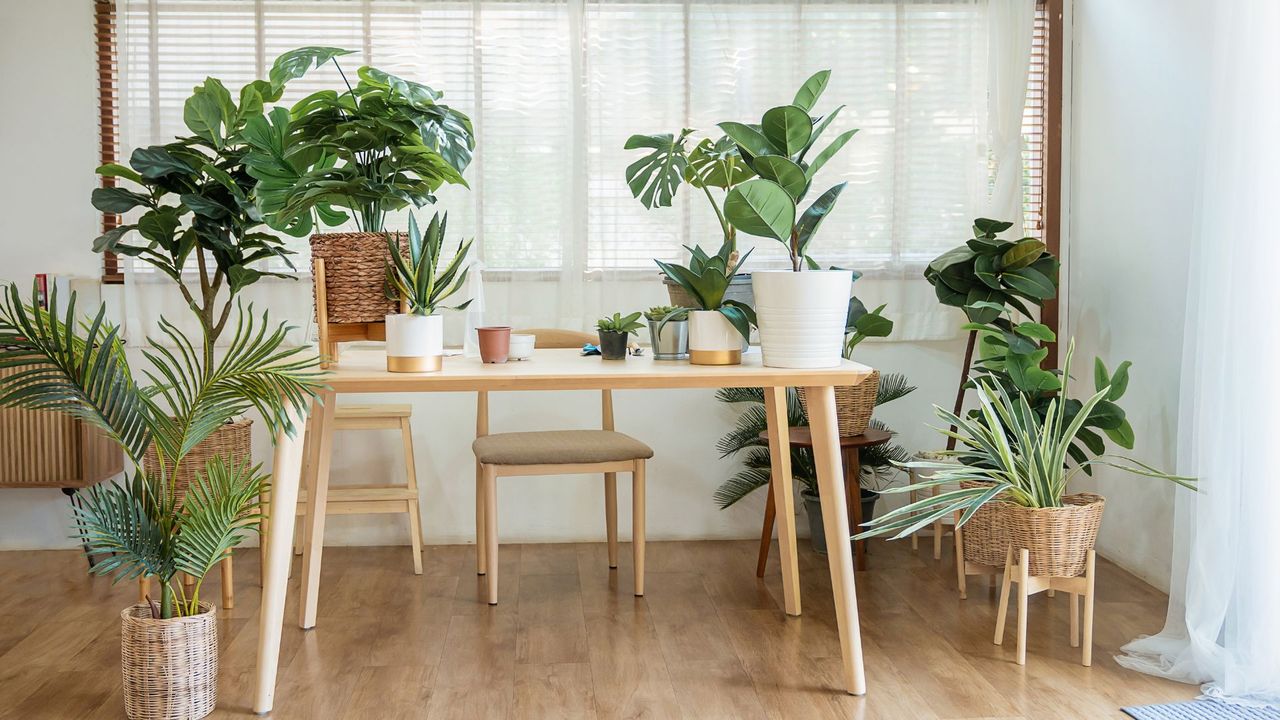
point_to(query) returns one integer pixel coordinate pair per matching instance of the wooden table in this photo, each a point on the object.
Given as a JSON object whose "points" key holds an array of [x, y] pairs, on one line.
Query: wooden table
{"points": [[365, 372], [849, 446]]}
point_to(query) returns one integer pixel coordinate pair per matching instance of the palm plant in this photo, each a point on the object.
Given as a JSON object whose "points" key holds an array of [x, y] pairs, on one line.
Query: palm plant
{"points": [[145, 525], [1010, 453], [879, 463], [420, 281], [706, 278]]}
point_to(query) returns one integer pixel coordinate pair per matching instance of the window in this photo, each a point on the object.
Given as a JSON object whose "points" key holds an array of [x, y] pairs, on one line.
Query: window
{"points": [[556, 86]]}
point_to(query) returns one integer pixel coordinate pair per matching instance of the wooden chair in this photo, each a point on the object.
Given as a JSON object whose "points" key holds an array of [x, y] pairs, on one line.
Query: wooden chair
{"points": [[557, 452], [371, 499]]}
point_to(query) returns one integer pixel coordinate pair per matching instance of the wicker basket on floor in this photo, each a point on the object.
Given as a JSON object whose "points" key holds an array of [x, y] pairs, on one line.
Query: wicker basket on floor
{"points": [[170, 667], [1058, 539], [854, 404], [985, 539], [355, 273], [232, 442]]}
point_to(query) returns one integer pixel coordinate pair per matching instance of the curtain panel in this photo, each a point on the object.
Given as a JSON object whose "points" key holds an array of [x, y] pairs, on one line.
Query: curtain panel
{"points": [[555, 87]]}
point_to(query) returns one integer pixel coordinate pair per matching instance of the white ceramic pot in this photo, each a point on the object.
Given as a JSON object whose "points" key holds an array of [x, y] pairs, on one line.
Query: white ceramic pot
{"points": [[521, 347], [415, 343], [801, 316], [713, 340]]}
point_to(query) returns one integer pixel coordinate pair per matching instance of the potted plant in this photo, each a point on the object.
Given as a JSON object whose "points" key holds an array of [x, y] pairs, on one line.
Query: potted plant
{"points": [[879, 463], [801, 314], [614, 332], [1024, 481], [855, 403], [670, 341], [718, 326], [415, 338], [140, 527], [712, 164], [378, 146]]}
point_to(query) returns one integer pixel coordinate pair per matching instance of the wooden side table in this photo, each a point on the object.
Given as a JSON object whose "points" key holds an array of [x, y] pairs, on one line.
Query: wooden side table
{"points": [[849, 446]]}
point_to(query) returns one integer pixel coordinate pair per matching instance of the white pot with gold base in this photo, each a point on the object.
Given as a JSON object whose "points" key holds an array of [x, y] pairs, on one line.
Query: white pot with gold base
{"points": [[415, 343], [713, 340]]}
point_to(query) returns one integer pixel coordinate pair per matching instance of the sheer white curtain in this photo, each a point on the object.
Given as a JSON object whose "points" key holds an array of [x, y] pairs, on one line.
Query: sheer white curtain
{"points": [[556, 86], [1011, 26], [1223, 627]]}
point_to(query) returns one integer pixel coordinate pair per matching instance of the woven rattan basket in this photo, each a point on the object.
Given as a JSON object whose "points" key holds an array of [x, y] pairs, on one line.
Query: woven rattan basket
{"points": [[232, 442], [170, 667], [854, 404], [355, 273], [985, 539], [1058, 539]]}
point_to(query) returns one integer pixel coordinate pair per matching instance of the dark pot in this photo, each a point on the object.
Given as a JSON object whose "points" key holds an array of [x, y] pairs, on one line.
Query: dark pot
{"points": [[817, 531], [613, 345]]}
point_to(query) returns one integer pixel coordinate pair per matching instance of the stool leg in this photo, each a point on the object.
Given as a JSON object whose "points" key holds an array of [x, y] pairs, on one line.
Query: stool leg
{"points": [[481, 533], [228, 583], [411, 480], [766, 531], [937, 531], [637, 525], [1090, 563], [958, 539], [911, 498], [490, 482], [1023, 563], [611, 516], [1002, 613], [1075, 619]]}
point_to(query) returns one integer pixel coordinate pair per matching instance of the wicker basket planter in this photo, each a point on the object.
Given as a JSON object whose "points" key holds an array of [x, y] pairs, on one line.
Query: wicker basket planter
{"points": [[985, 539], [854, 405], [232, 442], [1058, 539], [355, 270], [170, 667]]}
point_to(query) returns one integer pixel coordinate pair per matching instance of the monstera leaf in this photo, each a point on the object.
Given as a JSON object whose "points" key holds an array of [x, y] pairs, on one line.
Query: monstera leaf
{"points": [[655, 177]]}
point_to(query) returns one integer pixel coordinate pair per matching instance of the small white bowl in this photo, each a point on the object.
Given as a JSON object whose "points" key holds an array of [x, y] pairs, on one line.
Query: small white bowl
{"points": [[521, 347]]}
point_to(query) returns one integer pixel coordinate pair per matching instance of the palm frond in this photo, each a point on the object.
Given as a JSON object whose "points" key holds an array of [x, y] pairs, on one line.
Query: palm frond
{"points": [[219, 510], [892, 387], [124, 529], [56, 369], [743, 483]]}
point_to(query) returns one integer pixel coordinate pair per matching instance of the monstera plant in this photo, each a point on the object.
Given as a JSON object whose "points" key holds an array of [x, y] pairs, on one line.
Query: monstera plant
{"points": [[380, 145], [781, 152]]}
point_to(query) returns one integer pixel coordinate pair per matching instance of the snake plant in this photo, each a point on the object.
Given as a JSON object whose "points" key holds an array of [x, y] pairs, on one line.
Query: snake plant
{"points": [[144, 525], [706, 278], [420, 281]]}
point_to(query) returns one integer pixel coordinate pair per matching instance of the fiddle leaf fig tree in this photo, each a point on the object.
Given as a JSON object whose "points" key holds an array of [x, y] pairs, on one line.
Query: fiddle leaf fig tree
{"points": [[381, 145], [988, 273], [779, 152]]}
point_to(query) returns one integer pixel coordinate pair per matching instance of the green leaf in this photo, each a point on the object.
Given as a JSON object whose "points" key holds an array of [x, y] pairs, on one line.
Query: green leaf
{"points": [[762, 208], [984, 226], [710, 163], [984, 268], [654, 178], [829, 152], [873, 324], [1119, 381], [1031, 283], [812, 89], [116, 201], [787, 128], [156, 162], [1022, 254], [1122, 436], [748, 138], [295, 63], [811, 219], [1035, 331], [159, 225], [117, 170], [785, 173], [209, 112], [1101, 378]]}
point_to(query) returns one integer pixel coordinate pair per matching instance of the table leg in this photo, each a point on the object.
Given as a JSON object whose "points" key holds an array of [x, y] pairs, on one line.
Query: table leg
{"points": [[766, 532], [317, 499], [775, 405], [826, 451], [285, 476]]}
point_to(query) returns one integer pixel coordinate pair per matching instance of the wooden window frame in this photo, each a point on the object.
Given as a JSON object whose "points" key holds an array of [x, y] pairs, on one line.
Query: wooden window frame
{"points": [[104, 30]]}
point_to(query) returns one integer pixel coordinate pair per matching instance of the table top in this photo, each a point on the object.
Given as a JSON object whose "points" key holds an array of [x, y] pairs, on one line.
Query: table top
{"points": [[554, 369]]}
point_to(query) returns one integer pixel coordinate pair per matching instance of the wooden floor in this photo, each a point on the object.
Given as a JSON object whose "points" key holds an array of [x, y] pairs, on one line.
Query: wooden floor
{"points": [[568, 640]]}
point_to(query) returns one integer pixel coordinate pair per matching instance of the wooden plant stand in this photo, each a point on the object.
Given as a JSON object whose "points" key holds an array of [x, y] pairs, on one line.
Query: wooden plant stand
{"points": [[330, 334], [1028, 586]]}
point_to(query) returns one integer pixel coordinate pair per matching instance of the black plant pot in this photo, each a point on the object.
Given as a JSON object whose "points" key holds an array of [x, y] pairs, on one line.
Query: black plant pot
{"points": [[613, 345], [817, 531]]}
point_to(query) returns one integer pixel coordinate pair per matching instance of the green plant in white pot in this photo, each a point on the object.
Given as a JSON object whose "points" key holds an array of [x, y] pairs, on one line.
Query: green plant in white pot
{"points": [[415, 338], [801, 314], [718, 327]]}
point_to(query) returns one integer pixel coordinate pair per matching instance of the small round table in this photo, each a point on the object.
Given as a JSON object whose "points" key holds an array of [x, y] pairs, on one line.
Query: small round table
{"points": [[849, 446]]}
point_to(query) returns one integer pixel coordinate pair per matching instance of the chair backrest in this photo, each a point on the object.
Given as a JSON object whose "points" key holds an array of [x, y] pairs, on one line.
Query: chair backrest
{"points": [[557, 338]]}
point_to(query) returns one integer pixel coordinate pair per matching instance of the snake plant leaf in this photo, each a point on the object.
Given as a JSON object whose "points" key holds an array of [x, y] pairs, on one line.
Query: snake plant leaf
{"points": [[1022, 254], [655, 177], [762, 208], [1031, 283], [829, 152], [788, 175], [788, 129], [749, 139], [812, 89], [295, 63], [210, 113], [811, 219]]}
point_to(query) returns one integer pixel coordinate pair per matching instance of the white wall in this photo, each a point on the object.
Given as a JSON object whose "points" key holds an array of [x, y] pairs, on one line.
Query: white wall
{"points": [[1139, 80], [50, 145]]}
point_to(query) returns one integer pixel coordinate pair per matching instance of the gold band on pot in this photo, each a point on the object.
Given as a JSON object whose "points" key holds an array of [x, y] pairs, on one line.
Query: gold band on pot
{"points": [[715, 357], [408, 364]]}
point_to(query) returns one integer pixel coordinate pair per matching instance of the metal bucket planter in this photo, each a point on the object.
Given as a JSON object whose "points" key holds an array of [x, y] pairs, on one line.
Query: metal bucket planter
{"points": [[169, 667], [672, 343]]}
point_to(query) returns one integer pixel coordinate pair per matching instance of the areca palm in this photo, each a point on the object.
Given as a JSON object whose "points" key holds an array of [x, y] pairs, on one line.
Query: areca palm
{"points": [[145, 525]]}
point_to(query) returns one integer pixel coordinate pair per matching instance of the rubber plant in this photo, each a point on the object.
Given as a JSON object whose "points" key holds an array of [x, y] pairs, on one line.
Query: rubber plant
{"points": [[381, 145], [706, 278], [144, 525], [778, 151]]}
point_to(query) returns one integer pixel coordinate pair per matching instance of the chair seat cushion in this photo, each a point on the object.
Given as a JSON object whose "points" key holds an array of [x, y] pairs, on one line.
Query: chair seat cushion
{"points": [[559, 447]]}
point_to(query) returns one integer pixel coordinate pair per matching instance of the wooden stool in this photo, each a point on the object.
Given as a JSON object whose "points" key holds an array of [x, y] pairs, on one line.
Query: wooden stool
{"points": [[849, 446], [371, 499], [1028, 586]]}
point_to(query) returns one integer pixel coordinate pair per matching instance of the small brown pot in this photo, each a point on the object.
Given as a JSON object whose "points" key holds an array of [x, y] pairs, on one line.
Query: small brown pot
{"points": [[495, 343], [613, 345], [170, 667]]}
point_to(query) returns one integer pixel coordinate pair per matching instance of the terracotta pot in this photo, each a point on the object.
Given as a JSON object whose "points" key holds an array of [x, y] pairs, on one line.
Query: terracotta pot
{"points": [[495, 343], [613, 345]]}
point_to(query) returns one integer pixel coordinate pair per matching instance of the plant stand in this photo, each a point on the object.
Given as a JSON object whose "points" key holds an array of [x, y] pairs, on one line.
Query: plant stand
{"points": [[1029, 585], [330, 334]]}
